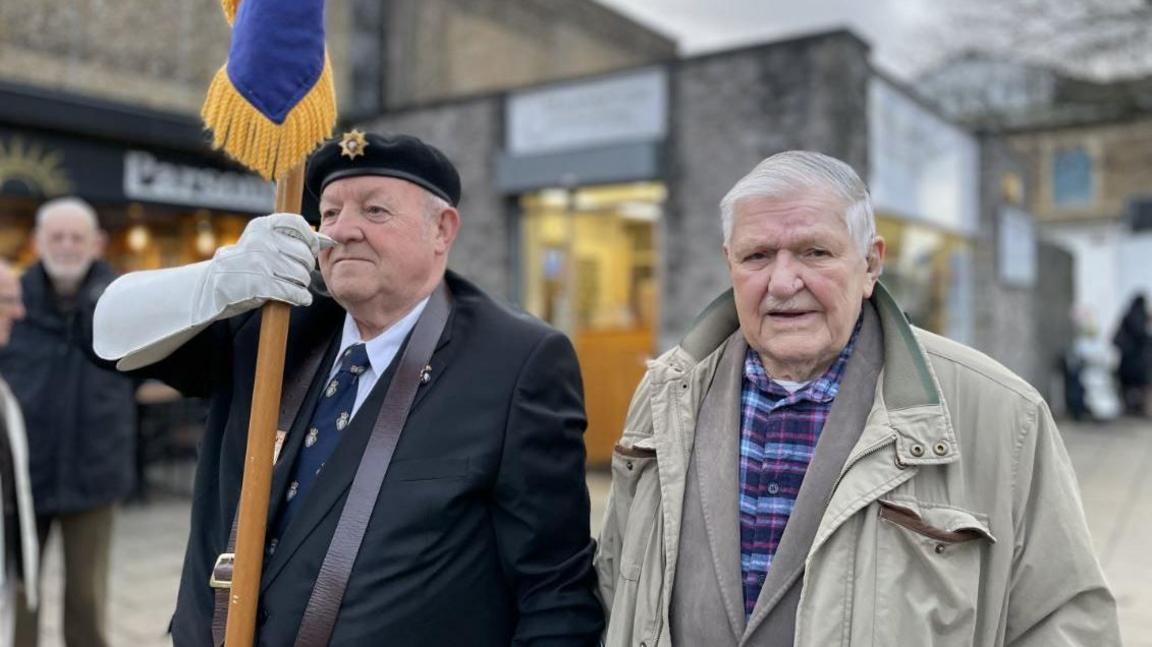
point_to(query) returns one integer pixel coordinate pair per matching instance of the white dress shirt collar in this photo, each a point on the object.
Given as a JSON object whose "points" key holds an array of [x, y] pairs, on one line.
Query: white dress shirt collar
{"points": [[381, 349]]}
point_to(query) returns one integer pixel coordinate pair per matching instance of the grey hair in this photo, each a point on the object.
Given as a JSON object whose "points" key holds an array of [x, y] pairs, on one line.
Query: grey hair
{"points": [[72, 203], [786, 174], [434, 204]]}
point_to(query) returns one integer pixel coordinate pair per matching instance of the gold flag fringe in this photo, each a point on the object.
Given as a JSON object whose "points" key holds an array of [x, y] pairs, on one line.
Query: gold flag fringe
{"points": [[267, 148], [229, 7]]}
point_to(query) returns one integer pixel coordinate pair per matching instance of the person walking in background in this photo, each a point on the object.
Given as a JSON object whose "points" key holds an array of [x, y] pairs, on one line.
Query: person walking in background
{"points": [[1095, 363], [1134, 343], [19, 554], [81, 418]]}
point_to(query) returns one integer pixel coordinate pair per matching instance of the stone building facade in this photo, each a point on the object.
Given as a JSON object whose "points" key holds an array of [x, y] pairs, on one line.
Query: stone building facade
{"points": [[728, 111], [428, 50], [1027, 326], [385, 53], [592, 159], [1085, 148], [159, 55], [713, 118], [89, 88]]}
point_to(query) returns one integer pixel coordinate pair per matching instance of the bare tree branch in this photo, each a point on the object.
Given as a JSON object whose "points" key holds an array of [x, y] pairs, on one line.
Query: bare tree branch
{"points": [[1101, 38]]}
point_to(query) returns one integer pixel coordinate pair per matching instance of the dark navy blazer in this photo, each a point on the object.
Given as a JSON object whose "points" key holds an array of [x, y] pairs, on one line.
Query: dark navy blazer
{"points": [[480, 534]]}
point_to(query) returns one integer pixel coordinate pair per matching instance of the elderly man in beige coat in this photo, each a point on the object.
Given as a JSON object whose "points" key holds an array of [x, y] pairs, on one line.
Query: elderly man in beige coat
{"points": [[806, 468]]}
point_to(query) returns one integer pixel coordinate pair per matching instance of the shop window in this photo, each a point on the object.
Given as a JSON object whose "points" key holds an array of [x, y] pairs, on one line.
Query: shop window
{"points": [[1072, 183], [588, 256], [140, 237], [926, 271], [589, 268]]}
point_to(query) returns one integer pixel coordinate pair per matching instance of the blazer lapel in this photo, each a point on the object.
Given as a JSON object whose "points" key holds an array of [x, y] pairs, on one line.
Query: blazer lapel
{"points": [[717, 452], [841, 431], [301, 391], [332, 481], [441, 357]]}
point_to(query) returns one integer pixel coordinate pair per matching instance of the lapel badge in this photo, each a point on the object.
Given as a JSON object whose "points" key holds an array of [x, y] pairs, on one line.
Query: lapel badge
{"points": [[426, 374], [352, 144]]}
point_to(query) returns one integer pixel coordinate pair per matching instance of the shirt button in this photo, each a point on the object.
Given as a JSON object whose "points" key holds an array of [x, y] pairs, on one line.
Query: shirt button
{"points": [[773, 488]]}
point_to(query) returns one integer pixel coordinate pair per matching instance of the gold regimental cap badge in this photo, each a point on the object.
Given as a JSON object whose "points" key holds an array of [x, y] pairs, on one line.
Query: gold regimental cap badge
{"points": [[352, 144]]}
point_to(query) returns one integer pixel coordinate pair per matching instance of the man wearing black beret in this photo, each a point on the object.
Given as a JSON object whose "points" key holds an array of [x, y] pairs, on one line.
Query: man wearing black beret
{"points": [[429, 481]]}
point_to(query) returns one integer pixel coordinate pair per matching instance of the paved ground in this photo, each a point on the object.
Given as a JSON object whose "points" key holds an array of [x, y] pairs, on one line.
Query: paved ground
{"points": [[1114, 465]]}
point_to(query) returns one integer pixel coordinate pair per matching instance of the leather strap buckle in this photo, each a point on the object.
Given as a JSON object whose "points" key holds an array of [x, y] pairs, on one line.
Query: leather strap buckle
{"points": [[222, 571]]}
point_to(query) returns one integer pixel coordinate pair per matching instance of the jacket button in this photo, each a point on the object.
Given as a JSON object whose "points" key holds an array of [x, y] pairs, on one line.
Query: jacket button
{"points": [[940, 448], [939, 548], [917, 450], [628, 465]]}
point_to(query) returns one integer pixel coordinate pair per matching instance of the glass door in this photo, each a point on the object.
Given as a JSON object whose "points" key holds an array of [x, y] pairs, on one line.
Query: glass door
{"points": [[590, 269]]}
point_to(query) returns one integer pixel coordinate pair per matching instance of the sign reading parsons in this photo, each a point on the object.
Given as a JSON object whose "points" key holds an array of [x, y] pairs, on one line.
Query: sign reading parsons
{"points": [[44, 165], [149, 178]]}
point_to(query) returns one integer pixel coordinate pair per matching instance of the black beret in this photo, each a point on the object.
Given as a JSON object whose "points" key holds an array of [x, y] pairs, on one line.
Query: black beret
{"points": [[399, 156]]}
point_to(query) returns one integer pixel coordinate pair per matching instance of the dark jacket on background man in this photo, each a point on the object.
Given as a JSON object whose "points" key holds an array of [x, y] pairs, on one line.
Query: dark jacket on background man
{"points": [[480, 534], [1134, 344], [81, 418]]}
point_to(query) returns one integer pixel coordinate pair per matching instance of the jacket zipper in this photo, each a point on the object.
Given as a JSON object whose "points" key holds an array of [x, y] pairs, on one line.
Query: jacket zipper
{"points": [[859, 457], [872, 449]]}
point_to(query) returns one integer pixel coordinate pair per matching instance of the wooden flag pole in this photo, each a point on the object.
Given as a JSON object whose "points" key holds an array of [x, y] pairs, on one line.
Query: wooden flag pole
{"points": [[254, 492]]}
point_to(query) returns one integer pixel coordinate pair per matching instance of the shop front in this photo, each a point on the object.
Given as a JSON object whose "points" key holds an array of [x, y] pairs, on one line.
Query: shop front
{"points": [[924, 179], [163, 198], [158, 208], [582, 167], [589, 268]]}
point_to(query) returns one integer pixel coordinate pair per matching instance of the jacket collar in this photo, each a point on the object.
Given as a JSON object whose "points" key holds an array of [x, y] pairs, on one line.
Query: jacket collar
{"points": [[909, 392], [909, 403]]}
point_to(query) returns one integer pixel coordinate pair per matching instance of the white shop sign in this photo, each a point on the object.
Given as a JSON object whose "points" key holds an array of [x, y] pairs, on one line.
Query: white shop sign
{"points": [[922, 166], [1016, 251], [629, 107], [148, 178]]}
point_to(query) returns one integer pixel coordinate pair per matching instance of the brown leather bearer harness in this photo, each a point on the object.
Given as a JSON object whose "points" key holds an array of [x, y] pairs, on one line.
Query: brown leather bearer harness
{"points": [[328, 591]]}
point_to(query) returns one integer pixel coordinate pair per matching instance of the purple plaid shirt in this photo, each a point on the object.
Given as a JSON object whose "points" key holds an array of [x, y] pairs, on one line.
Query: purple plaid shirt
{"points": [[778, 433]]}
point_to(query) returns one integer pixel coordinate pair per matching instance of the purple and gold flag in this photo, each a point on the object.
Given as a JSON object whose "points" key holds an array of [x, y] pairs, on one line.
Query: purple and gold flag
{"points": [[273, 101]]}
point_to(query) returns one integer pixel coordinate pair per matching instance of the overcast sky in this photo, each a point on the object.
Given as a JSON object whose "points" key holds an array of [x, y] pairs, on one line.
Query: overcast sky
{"points": [[893, 27]]}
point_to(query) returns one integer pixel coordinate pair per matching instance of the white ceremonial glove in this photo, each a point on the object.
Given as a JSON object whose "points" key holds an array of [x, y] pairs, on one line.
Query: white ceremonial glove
{"points": [[143, 316]]}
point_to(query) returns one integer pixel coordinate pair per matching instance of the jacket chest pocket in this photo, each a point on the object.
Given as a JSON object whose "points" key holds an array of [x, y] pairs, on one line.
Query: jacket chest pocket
{"points": [[928, 572]]}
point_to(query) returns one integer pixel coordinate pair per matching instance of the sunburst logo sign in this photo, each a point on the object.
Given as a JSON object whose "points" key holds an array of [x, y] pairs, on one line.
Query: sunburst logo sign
{"points": [[38, 170]]}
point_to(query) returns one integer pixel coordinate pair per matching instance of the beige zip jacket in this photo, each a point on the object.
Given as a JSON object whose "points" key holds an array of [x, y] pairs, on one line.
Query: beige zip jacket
{"points": [[956, 520]]}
